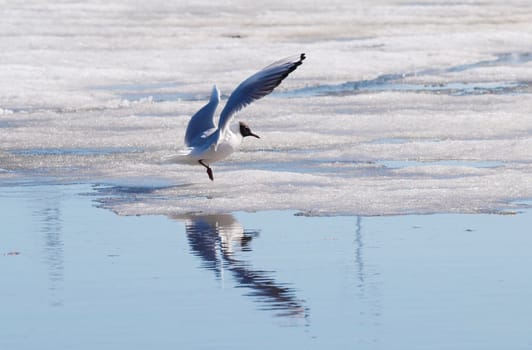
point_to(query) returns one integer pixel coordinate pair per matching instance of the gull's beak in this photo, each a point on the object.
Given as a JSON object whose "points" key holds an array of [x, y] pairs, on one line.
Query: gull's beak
{"points": [[254, 135]]}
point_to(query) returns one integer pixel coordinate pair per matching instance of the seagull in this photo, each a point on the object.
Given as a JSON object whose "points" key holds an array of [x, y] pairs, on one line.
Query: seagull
{"points": [[206, 143]]}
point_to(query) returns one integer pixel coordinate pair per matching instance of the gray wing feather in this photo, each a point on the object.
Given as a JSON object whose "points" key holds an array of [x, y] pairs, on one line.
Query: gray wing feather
{"points": [[257, 86], [203, 120]]}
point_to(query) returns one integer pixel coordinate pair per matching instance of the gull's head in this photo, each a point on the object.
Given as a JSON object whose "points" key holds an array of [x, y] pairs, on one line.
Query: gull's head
{"points": [[246, 131]]}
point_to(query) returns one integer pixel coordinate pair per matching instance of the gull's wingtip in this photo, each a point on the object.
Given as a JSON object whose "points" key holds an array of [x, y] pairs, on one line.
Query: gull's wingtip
{"points": [[215, 93], [300, 61]]}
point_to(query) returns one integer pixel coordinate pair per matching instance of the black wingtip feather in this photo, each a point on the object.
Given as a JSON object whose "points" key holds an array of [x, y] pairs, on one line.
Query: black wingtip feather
{"points": [[276, 73], [290, 70]]}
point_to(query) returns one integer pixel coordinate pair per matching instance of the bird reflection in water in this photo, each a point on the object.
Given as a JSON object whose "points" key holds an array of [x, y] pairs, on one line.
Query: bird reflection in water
{"points": [[217, 240]]}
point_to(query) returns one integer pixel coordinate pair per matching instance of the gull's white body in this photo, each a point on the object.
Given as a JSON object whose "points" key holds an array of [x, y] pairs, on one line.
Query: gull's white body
{"points": [[228, 143], [209, 147], [207, 143]]}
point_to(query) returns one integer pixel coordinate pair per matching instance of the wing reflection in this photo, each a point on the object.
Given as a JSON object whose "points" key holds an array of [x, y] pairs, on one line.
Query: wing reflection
{"points": [[217, 240]]}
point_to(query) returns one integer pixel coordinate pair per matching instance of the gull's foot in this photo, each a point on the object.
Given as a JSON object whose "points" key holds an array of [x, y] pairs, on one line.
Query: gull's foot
{"points": [[209, 170]]}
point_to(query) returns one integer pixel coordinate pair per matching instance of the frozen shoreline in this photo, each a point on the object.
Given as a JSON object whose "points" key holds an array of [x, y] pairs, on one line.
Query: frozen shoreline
{"points": [[400, 107]]}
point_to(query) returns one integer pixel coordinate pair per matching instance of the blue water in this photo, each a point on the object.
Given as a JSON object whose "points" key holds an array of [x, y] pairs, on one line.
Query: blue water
{"points": [[395, 81], [75, 276], [167, 91]]}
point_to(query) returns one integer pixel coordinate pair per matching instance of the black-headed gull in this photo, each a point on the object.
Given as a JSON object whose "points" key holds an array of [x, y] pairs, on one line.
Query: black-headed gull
{"points": [[206, 143]]}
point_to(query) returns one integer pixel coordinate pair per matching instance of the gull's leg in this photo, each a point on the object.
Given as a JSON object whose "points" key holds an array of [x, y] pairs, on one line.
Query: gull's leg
{"points": [[209, 170]]}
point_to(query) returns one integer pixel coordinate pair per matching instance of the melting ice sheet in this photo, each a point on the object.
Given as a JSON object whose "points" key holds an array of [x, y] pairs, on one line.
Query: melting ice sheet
{"points": [[400, 107]]}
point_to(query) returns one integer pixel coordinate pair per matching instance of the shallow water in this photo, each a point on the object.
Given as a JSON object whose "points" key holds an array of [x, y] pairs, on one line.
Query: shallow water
{"points": [[78, 276], [396, 81]]}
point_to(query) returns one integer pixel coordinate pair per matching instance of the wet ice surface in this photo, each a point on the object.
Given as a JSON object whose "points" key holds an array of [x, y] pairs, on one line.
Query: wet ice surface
{"points": [[401, 107], [263, 280]]}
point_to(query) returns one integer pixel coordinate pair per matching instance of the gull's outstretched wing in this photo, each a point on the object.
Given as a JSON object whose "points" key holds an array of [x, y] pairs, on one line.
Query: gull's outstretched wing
{"points": [[257, 86], [203, 120]]}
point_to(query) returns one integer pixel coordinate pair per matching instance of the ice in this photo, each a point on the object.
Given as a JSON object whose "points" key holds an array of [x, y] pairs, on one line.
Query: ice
{"points": [[400, 107]]}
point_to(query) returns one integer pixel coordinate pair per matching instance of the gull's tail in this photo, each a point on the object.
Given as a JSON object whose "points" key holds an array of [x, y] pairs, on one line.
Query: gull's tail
{"points": [[179, 158]]}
